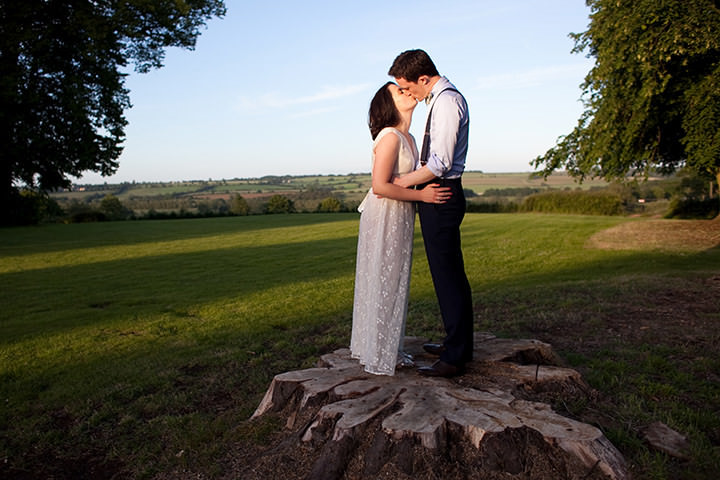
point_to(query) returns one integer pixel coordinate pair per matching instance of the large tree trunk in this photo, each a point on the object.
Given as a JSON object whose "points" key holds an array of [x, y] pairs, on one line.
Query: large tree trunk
{"points": [[717, 179], [7, 199], [489, 423]]}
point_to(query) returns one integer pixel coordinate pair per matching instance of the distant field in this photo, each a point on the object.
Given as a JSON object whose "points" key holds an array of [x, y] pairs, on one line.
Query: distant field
{"points": [[477, 181], [139, 349], [305, 191]]}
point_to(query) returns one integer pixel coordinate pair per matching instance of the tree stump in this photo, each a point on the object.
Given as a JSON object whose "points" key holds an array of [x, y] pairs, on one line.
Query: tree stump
{"points": [[345, 423]]}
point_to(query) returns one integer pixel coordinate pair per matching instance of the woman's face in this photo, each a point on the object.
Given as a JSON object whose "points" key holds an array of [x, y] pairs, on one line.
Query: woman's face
{"points": [[404, 101]]}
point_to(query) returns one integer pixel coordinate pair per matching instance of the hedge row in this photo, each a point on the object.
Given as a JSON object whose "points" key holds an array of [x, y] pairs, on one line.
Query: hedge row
{"points": [[707, 208], [493, 207], [574, 201]]}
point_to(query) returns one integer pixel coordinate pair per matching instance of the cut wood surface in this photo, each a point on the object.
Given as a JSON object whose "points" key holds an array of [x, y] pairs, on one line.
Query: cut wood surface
{"points": [[342, 422]]}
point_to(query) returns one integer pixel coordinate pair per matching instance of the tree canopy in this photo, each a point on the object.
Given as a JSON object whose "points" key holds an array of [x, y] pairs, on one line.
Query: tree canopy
{"points": [[62, 93], [652, 99], [280, 204]]}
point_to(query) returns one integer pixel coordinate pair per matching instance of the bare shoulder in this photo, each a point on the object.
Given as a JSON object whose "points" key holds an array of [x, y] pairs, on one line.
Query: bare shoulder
{"points": [[390, 140]]}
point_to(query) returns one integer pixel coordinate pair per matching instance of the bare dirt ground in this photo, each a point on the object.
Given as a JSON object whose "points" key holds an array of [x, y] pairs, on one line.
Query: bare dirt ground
{"points": [[229, 196], [667, 235]]}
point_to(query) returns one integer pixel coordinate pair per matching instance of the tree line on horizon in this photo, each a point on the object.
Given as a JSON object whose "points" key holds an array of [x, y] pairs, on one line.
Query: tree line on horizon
{"points": [[681, 196]]}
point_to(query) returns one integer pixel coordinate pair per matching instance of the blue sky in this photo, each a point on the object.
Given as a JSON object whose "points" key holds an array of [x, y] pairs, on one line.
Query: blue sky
{"points": [[283, 87]]}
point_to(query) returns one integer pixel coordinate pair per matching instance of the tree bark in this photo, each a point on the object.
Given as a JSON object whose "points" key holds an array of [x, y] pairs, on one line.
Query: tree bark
{"points": [[345, 423]]}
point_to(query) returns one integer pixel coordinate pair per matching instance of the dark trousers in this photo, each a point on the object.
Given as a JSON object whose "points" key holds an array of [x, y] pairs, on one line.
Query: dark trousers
{"points": [[440, 225]]}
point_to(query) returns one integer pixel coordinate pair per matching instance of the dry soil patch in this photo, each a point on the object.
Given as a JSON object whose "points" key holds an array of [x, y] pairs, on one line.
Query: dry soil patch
{"points": [[669, 235]]}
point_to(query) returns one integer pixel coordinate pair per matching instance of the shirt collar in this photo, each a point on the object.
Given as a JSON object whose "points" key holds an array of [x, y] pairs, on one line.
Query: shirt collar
{"points": [[440, 85]]}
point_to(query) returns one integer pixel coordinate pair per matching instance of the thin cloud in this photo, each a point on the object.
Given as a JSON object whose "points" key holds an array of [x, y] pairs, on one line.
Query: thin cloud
{"points": [[331, 93], [275, 100], [531, 78], [316, 111]]}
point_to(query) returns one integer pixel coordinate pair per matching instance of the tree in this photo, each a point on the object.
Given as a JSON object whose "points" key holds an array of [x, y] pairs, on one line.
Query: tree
{"points": [[113, 209], [330, 204], [37, 207], [652, 100], [239, 205], [280, 204], [62, 93]]}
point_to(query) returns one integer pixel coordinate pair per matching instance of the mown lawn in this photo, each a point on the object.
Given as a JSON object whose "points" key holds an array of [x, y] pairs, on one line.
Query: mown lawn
{"points": [[137, 349]]}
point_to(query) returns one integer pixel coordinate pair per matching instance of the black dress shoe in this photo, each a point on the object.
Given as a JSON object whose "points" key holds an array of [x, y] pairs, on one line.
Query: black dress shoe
{"points": [[440, 369], [434, 348]]}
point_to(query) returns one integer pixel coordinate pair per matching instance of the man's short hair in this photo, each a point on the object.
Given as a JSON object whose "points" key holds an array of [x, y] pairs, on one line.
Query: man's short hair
{"points": [[412, 64]]}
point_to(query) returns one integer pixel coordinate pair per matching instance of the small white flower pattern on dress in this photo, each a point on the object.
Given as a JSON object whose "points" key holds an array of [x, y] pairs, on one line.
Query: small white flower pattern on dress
{"points": [[382, 276]]}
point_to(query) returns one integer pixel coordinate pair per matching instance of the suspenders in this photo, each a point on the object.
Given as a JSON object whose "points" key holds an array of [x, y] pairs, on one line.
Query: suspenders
{"points": [[426, 137]]}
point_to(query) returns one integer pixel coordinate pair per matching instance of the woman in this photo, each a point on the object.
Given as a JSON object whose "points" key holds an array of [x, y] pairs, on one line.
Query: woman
{"points": [[385, 238]]}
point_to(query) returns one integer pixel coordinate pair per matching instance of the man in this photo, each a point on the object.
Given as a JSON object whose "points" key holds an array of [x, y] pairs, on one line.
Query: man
{"points": [[442, 161]]}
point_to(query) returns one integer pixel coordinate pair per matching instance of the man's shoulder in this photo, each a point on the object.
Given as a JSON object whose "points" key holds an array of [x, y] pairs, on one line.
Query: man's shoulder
{"points": [[444, 87], [451, 97], [451, 94]]}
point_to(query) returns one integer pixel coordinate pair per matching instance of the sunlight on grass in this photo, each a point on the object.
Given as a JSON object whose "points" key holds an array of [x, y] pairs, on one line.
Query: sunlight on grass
{"points": [[79, 255]]}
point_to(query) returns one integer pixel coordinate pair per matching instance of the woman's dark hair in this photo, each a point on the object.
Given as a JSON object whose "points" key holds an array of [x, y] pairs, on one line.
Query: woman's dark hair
{"points": [[412, 64], [383, 112]]}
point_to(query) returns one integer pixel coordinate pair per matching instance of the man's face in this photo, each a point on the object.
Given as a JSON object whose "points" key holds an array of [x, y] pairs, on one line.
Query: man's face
{"points": [[417, 89]]}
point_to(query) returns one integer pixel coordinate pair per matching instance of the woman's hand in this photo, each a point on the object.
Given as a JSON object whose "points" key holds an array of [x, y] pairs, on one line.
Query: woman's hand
{"points": [[434, 193]]}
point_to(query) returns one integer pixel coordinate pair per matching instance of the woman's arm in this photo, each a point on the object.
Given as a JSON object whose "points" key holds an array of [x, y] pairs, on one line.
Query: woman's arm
{"points": [[386, 154], [417, 177]]}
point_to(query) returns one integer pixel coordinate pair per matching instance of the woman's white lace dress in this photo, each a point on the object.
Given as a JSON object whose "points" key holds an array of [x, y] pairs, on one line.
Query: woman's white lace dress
{"points": [[382, 275]]}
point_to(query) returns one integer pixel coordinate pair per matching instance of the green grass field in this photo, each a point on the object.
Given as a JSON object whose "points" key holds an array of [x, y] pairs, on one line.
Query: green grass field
{"points": [[136, 348]]}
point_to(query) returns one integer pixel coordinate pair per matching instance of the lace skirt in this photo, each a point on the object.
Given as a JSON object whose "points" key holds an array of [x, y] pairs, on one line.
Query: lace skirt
{"points": [[382, 283]]}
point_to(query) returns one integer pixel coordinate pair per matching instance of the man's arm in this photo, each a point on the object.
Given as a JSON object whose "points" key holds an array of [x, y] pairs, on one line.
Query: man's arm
{"points": [[447, 115], [418, 177], [386, 153]]}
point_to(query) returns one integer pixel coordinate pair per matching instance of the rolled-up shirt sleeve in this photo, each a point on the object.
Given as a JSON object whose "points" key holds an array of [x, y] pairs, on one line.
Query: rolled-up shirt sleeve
{"points": [[448, 113]]}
